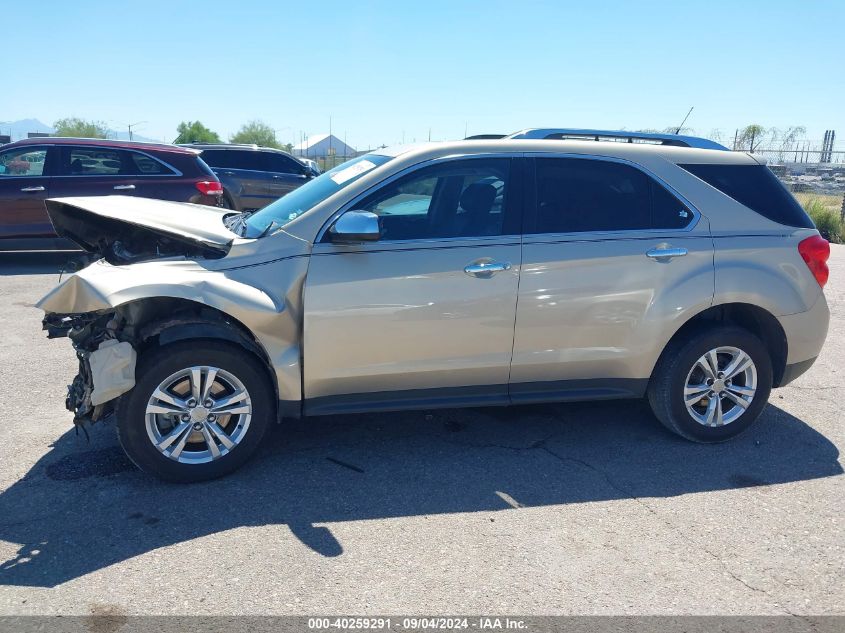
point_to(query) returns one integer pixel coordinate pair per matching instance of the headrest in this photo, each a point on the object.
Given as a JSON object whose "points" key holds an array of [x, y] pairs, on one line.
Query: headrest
{"points": [[478, 198]]}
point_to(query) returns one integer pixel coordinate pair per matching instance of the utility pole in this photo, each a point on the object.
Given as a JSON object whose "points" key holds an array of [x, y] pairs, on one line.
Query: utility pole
{"points": [[131, 125]]}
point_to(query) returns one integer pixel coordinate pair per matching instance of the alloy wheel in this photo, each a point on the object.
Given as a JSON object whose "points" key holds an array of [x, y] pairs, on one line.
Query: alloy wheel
{"points": [[720, 386], [198, 414]]}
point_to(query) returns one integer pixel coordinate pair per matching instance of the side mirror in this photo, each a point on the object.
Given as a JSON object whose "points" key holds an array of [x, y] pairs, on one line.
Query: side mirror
{"points": [[355, 226]]}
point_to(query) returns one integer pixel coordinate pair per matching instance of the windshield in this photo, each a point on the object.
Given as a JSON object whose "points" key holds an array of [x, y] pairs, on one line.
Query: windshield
{"points": [[297, 202]]}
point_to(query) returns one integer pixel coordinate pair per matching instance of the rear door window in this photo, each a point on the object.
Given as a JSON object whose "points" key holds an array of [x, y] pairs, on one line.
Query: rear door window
{"points": [[667, 212], [756, 187], [90, 161], [579, 195], [281, 164], [576, 195], [234, 159]]}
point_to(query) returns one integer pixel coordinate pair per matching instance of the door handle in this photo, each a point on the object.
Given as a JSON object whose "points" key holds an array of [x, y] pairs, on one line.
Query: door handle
{"points": [[123, 187], [32, 189], [486, 269], [665, 253]]}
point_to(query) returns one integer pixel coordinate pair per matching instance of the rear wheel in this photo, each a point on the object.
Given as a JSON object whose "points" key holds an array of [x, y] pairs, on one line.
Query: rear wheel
{"points": [[198, 410], [711, 386]]}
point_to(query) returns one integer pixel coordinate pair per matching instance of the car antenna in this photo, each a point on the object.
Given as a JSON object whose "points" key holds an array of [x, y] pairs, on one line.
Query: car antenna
{"points": [[678, 131]]}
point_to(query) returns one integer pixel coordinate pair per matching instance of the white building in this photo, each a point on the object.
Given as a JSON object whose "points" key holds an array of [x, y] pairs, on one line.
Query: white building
{"points": [[322, 146]]}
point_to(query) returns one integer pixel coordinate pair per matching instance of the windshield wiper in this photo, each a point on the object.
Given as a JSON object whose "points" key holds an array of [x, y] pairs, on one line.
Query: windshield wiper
{"points": [[269, 229], [237, 223]]}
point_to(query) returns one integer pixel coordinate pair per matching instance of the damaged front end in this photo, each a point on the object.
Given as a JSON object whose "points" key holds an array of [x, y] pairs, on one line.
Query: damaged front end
{"points": [[106, 362]]}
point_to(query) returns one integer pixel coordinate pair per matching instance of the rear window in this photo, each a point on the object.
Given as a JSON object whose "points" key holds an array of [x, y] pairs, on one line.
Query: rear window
{"points": [[757, 188]]}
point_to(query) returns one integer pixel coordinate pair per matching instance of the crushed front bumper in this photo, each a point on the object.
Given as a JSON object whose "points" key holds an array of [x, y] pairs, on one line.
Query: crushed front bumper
{"points": [[106, 364]]}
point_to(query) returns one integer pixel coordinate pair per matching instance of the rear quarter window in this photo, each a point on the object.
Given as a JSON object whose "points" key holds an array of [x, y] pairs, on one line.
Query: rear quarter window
{"points": [[757, 188]]}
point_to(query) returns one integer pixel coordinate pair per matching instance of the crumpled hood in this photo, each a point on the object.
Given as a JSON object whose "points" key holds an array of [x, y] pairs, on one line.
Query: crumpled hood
{"points": [[124, 229]]}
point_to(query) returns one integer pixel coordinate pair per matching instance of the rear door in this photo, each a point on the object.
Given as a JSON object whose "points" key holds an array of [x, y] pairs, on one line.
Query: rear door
{"points": [[613, 263], [24, 185], [146, 176], [424, 316], [286, 174]]}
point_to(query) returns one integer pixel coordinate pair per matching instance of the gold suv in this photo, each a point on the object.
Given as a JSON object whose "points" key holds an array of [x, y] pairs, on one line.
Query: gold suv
{"points": [[548, 265]]}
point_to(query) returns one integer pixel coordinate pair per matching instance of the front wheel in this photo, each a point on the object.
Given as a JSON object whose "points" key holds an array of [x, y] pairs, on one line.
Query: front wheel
{"points": [[713, 385], [198, 410]]}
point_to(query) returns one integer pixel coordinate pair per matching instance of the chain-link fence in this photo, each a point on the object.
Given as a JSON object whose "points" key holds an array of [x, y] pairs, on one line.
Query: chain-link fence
{"points": [[802, 156]]}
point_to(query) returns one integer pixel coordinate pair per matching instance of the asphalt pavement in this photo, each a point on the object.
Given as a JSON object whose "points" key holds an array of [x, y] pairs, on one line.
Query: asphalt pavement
{"points": [[588, 508]]}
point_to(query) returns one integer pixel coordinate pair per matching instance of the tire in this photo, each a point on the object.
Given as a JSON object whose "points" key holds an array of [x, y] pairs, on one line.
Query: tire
{"points": [[236, 435], [679, 368]]}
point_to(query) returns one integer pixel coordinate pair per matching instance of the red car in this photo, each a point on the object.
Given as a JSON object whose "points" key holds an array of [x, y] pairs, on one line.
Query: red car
{"points": [[35, 169]]}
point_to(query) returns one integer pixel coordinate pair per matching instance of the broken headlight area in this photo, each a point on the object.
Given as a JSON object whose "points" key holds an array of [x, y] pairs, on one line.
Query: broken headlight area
{"points": [[59, 325], [106, 363]]}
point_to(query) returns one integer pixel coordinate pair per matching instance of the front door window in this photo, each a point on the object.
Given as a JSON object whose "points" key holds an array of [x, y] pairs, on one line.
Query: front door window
{"points": [[466, 198], [22, 162]]}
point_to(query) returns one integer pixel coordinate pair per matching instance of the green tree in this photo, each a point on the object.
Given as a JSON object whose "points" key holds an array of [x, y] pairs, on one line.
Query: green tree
{"points": [[750, 137], [80, 128], [195, 132], [256, 132]]}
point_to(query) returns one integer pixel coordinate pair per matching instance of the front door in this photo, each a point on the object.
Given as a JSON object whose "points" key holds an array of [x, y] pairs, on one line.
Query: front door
{"points": [[613, 263], [24, 186], [423, 317], [286, 174]]}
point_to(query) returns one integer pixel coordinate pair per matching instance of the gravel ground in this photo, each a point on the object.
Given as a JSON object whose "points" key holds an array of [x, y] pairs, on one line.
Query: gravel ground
{"points": [[564, 509]]}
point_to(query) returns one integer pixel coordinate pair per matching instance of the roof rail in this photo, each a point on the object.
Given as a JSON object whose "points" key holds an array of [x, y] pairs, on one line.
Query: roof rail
{"points": [[676, 140]]}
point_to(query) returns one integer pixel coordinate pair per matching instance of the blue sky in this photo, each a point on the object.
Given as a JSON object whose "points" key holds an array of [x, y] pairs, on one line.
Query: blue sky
{"points": [[385, 71]]}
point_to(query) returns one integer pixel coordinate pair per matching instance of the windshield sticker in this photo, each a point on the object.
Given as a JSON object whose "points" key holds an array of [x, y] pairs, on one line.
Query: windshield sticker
{"points": [[350, 172]]}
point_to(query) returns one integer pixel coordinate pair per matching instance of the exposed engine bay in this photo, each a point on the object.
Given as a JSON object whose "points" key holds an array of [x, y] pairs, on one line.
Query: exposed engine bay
{"points": [[120, 240]]}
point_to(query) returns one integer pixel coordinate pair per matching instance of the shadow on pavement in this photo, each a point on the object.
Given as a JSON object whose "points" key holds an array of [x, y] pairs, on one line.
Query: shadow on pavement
{"points": [[84, 507], [36, 262]]}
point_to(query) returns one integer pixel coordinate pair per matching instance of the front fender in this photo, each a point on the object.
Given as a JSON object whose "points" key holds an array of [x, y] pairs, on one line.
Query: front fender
{"points": [[266, 299]]}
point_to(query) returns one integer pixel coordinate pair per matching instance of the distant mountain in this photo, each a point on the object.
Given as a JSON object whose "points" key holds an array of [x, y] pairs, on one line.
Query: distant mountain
{"points": [[19, 129]]}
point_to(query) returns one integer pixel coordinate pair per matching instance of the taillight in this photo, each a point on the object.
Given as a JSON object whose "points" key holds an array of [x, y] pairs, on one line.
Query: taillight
{"points": [[210, 187], [816, 250]]}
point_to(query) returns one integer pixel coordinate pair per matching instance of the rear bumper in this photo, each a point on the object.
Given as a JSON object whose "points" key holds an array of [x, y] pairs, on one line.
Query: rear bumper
{"points": [[209, 201], [791, 372], [805, 335]]}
